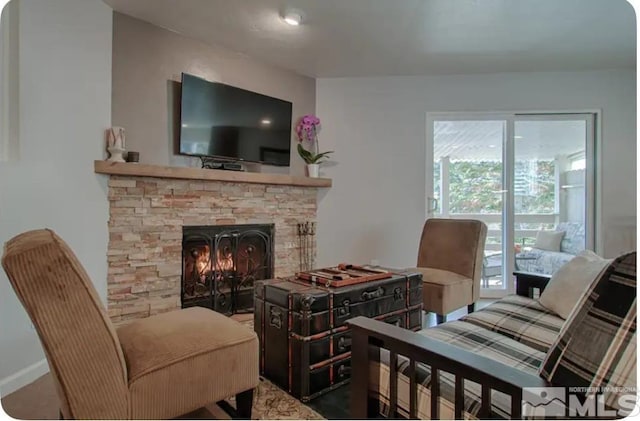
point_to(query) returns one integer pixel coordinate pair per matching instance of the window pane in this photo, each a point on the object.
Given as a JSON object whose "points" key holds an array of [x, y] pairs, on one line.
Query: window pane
{"points": [[468, 181], [549, 192]]}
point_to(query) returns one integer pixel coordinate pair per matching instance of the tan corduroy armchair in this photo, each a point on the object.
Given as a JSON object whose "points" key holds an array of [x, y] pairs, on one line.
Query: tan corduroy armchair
{"points": [[450, 260], [159, 367]]}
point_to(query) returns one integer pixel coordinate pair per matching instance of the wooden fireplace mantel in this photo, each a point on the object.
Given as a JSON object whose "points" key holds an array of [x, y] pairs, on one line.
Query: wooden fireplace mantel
{"points": [[186, 173]]}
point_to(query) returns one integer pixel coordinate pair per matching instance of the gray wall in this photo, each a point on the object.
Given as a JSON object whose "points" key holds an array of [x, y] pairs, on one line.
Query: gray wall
{"points": [[65, 106], [377, 128], [147, 64]]}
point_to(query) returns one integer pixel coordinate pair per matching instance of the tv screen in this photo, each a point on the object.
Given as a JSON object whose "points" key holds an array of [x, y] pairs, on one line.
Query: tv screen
{"points": [[223, 121]]}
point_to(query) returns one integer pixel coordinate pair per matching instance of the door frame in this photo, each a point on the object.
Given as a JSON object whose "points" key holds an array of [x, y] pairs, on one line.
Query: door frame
{"points": [[593, 172]]}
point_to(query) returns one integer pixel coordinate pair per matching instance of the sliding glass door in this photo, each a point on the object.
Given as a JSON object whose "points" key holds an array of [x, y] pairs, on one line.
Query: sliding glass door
{"points": [[468, 181], [528, 177], [552, 190]]}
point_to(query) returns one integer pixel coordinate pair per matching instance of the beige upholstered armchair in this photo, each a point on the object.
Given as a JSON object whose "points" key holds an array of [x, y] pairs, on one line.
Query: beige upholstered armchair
{"points": [[450, 259], [159, 367]]}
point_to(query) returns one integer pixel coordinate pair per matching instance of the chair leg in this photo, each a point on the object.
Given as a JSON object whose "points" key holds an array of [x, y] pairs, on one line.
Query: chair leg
{"points": [[471, 308], [441, 318], [244, 403], [373, 408]]}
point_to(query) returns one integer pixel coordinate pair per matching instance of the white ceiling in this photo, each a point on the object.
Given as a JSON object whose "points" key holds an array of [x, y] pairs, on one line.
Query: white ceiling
{"points": [[408, 37]]}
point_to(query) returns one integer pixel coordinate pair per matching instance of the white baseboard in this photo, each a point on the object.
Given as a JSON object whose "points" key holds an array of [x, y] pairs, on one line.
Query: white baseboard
{"points": [[23, 377]]}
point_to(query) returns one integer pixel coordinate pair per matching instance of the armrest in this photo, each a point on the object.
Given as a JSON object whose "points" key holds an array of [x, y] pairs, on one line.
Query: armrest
{"points": [[440, 356], [527, 281]]}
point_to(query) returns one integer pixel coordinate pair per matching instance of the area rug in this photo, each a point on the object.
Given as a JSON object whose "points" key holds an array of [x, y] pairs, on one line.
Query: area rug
{"points": [[271, 402]]}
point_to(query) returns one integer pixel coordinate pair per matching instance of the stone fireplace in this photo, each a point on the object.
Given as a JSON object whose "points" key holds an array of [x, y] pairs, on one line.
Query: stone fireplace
{"points": [[221, 263], [151, 208]]}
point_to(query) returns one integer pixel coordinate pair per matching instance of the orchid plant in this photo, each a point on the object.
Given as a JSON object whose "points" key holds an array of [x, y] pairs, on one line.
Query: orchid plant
{"points": [[307, 131]]}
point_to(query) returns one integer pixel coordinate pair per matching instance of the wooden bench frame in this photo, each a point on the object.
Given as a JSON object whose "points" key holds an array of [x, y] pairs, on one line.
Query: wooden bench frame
{"points": [[464, 365]]}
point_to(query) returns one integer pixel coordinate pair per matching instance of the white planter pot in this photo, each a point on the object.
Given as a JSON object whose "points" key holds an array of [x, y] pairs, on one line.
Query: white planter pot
{"points": [[312, 170]]}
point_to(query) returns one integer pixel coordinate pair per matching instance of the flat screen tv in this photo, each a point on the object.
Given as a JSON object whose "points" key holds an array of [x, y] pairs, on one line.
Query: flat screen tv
{"points": [[226, 122]]}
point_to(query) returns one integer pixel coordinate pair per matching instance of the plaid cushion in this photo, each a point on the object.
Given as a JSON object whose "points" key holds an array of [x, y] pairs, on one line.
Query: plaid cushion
{"points": [[520, 318], [465, 335], [597, 346]]}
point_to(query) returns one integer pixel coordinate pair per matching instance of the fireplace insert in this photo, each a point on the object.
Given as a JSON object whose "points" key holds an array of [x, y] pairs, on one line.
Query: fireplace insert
{"points": [[221, 262]]}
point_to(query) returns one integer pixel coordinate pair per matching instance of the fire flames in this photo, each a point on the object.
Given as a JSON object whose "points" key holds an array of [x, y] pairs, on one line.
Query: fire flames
{"points": [[202, 262], [224, 260]]}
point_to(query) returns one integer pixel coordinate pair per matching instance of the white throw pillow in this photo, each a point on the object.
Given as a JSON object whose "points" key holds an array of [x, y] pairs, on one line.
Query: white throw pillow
{"points": [[549, 240], [571, 281]]}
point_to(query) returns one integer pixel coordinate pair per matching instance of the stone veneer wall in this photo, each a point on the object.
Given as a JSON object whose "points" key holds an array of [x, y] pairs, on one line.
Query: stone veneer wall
{"points": [[146, 216]]}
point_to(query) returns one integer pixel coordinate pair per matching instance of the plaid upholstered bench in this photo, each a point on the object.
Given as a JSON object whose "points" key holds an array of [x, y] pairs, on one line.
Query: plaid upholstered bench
{"points": [[480, 365]]}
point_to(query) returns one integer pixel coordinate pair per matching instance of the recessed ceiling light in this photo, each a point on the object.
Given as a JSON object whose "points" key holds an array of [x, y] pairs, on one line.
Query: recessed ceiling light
{"points": [[292, 18], [265, 122], [518, 137], [492, 146]]}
